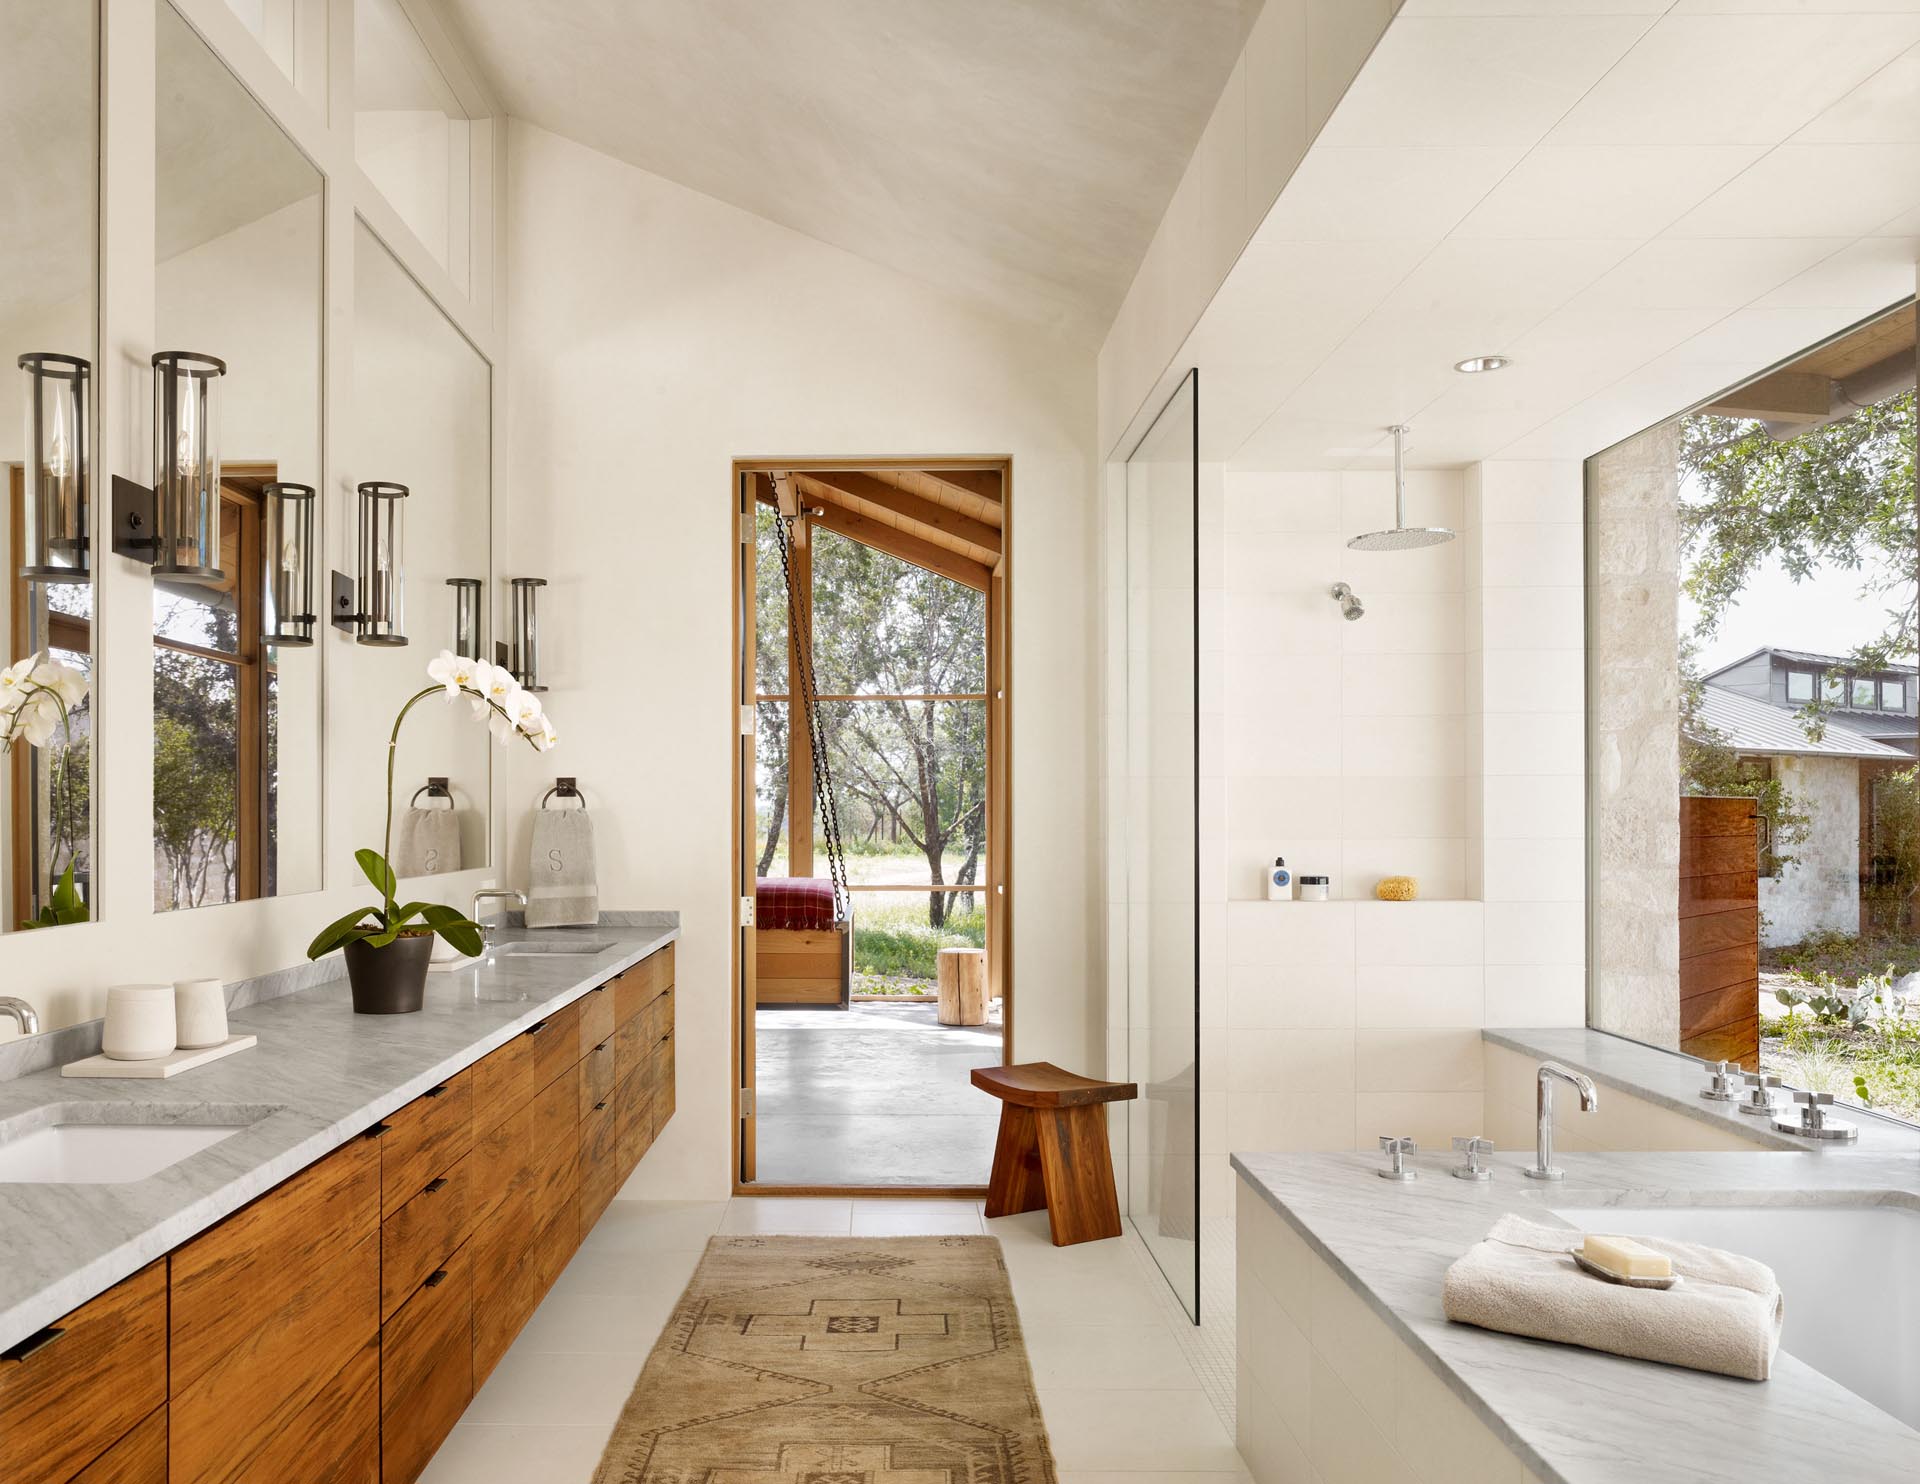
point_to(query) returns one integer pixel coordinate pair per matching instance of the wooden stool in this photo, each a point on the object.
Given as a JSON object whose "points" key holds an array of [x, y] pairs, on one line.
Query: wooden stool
{"points": [[1053, 1149], [963, 986]]}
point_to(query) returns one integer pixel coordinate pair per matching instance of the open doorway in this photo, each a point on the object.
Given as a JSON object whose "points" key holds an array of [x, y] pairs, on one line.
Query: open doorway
{"points": [[871, 822]]}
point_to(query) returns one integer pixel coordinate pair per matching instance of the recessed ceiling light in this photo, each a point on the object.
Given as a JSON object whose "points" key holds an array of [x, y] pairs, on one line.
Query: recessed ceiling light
{"points": [[1473, 365]]}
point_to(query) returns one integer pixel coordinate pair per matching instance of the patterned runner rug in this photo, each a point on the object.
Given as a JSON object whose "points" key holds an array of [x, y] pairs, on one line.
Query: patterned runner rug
{"points": [[837, 1360]]}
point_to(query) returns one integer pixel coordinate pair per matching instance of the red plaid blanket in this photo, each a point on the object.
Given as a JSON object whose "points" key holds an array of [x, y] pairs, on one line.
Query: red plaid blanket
{"points": [[802, 903]]}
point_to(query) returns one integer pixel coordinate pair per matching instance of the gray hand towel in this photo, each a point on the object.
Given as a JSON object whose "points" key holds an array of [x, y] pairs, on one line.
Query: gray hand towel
{"points": [[1725, 1316], [561, 887], [429, 843]]}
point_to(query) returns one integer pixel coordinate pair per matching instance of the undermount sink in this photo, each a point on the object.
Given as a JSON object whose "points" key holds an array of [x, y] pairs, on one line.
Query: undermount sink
{"points": [[110, 1143], [548, 945]]}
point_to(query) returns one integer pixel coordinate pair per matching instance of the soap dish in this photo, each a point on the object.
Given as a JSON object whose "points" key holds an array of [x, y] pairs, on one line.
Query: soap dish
{"points": [[1672, 1281]]}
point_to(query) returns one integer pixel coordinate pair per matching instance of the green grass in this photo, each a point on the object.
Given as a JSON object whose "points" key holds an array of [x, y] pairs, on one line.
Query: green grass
{"points": [[897, 941]]}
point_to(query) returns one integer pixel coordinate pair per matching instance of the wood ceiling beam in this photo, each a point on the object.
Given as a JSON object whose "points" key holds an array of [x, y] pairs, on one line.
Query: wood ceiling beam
{"points": [[908, 547], [982, 484], [933, 518], [1785, 396]]}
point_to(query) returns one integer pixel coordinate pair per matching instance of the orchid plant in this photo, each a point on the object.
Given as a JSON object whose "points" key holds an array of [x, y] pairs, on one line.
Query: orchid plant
{"points": [[509, 712], [38, 694]]}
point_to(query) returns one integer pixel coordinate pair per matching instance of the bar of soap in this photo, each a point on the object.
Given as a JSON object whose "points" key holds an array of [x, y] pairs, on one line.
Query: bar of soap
{"points": [[1626, 1258]]}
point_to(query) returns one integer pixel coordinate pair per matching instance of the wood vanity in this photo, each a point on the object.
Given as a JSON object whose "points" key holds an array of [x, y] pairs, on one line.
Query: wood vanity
{"points": [[336, 1327]]}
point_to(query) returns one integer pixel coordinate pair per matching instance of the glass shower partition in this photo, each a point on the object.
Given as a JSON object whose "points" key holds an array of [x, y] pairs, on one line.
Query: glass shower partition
{"points": [[1163, 853]]}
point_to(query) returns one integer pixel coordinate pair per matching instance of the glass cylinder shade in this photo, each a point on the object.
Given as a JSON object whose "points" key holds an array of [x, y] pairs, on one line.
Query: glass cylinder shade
{"points": [[186, 466], [287, 616], [54, 545], [466, 616], [524, 655], [382, 575]]}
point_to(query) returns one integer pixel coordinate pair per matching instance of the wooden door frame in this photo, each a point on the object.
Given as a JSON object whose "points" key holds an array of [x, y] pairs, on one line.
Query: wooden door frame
{"points": [[744, 691]]}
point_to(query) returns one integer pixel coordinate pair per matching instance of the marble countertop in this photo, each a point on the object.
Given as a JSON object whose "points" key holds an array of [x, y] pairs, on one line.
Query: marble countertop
{"points": [[1576, 1416], [324, 1074], [1673, 1081]]}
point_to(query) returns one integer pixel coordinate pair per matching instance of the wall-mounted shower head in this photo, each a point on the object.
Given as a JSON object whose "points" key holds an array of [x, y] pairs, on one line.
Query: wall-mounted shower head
{"points": [[1402, 537], [1350, 605]]}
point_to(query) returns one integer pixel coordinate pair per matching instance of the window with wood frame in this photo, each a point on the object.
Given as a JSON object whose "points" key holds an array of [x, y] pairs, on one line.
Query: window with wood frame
{"points": [[214, 715], [891, 572], [50, 816]]}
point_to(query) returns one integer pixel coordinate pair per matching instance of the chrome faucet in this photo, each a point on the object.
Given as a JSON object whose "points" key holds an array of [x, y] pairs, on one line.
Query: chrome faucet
{"points": [[492, 893], [1543, 1166], [22, 1013]]}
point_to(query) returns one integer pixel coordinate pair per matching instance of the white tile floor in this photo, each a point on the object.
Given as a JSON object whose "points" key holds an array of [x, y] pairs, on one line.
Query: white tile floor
{"points": [[1123, 1401]]}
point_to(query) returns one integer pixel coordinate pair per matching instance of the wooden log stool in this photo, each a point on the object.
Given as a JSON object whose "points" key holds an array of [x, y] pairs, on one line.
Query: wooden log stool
{"points": [[1052, 1150], [962, 986]]}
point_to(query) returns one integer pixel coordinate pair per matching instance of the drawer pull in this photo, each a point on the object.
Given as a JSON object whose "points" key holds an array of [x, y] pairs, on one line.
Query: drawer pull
{"points": [[377, 1130], [537, 1027], [438, 1182], [434, 1092], [664, 1039], [601, 1047], [435, 1278], [33, 1343], [599, 1105]]}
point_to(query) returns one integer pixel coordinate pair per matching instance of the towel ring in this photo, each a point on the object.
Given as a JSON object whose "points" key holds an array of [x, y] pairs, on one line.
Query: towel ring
{"points": [[433, 788], [566, 788]]}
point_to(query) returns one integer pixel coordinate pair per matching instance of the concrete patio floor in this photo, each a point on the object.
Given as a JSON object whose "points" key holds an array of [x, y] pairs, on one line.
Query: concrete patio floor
{"points": [[875, 1095]]}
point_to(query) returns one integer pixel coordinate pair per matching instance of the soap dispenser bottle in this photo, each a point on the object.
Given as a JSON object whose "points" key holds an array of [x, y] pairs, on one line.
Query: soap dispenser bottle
{"points": [[1279, 881]]}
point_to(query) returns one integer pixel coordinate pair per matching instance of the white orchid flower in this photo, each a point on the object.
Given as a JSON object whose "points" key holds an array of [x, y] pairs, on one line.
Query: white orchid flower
{"points": [[455, 672], [548, 738], [64, 680], [38, 718], [16, 681], [528, 714]]}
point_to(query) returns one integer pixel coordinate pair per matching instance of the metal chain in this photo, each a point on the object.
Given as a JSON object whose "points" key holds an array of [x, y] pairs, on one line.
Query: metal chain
{"points": [[800, 639]]}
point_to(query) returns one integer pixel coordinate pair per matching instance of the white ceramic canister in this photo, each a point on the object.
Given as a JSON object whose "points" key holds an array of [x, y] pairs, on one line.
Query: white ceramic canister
{"points": [[199, 1012], [140, 1024]]}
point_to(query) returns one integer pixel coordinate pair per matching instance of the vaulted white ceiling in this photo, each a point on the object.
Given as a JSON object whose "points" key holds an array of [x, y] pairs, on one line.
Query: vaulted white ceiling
{"points": [[1639, 201], [1018, 152]]}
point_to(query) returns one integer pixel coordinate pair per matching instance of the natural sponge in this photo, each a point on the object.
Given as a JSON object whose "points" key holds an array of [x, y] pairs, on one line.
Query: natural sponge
{"points": [[1397, 889]]}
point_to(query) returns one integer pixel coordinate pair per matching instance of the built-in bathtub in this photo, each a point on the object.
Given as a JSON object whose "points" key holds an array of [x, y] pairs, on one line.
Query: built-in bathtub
{"points": [[1850, 1276]]}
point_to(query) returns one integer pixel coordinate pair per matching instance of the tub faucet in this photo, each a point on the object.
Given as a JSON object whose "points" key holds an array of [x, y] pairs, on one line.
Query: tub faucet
{"points": [[22, 1013], [1543, 1166], [493, 894]]}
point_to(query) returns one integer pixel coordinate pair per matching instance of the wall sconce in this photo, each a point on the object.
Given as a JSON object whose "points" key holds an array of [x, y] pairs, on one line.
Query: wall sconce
{"points": [[523, 659], [466, 616], [373, 604], [186, 465], [287, 537], [54, 548]]}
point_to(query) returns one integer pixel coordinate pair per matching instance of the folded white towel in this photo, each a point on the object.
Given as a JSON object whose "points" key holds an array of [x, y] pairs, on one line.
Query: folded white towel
{"points": [[562, 890], [1522, 1280]]}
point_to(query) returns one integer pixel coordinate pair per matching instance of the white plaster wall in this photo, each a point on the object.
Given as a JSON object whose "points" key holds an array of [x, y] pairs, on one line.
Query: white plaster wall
{"points": [[1820, 890], [657, 334]]}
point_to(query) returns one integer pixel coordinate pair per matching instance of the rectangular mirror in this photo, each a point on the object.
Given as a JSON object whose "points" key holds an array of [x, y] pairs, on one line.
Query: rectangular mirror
{"points": [[422, 420], [48, 187], [237, 417]]}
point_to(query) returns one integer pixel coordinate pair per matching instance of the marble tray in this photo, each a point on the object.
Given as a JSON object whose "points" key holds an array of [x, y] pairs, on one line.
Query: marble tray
{"points": [[161, 1066]]}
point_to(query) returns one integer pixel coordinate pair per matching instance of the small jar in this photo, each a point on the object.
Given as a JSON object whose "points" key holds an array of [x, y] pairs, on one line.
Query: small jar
{"points": [[140, 1024], [1314, 888], [199, 1012]]}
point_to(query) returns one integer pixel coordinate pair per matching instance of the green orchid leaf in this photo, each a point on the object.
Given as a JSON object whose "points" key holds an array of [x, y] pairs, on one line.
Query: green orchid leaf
{"points": [[343, 930], [378, 872], [458, 929]]}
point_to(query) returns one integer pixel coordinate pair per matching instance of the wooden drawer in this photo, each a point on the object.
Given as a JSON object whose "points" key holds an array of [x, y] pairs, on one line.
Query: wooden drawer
{"points": [[596, 1017], [501, 1181], [502, 1083], [282, 1376], [630, 1045], [335, 1437], [556, 1045], [505, 1299], [424, 1139], [426, 1370], [138, 1458], [70, 1392], [632, 990], [423, 1233], [635, 1102], [662, 1079], [601, 1175], [657, 1016], [596, 1077]]}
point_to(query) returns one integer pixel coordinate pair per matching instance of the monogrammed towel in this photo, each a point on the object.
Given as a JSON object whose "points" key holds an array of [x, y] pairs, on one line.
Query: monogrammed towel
{"points": [[561, 887]]}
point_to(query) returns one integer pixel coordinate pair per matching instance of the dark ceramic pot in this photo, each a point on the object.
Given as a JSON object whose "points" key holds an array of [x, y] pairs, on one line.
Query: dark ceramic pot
{"points": [[390, 980]]}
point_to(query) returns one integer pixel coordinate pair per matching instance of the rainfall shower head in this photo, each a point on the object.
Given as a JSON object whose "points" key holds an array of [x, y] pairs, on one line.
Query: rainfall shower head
{"points": [[1350, 606], [1402, 537]]}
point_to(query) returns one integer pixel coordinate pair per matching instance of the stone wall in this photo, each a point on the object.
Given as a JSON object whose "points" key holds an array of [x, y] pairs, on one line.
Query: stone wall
{"points": [[1821, 889], [1634, 683]]}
